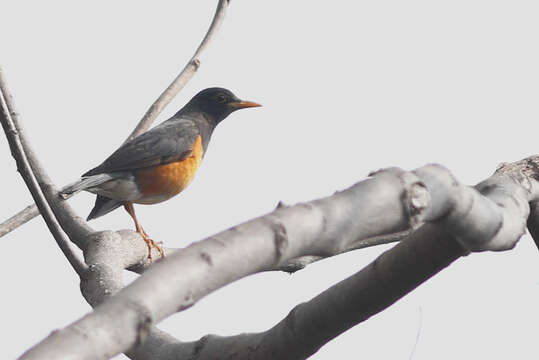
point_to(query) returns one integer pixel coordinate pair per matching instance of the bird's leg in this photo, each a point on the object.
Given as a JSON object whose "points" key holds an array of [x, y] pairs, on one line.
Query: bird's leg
{"points": [[128, 206]]}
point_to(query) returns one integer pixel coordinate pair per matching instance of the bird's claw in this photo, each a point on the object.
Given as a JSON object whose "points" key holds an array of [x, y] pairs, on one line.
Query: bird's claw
{"points": [[152, 244]]}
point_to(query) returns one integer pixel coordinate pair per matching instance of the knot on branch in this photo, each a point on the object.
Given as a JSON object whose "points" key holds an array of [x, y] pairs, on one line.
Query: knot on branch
{"points": [[207, 258], [490, 216], [188, 301], [280, 205], [200, 344], [195, 63], [415, 196], [280, 237], [416, 199], [144, 321]]}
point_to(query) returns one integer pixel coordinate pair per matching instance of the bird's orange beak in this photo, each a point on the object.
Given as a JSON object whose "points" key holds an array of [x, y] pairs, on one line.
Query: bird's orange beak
{"points": [[243, 104]]}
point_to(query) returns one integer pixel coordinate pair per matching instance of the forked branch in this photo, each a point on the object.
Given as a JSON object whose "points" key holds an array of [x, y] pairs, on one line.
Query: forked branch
{"points": [[491, 216], [457, 219]]}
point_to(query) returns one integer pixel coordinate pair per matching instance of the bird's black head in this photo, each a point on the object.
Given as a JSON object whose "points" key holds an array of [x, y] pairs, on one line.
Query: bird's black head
{"points": [[218, 103]]}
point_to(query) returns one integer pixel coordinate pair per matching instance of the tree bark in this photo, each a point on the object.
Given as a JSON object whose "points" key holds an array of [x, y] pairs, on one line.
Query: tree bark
{"points": [[439, 218], [491, 217]]}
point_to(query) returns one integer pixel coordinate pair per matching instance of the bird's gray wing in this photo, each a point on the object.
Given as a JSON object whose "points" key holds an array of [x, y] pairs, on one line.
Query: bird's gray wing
{"points": [[171, 141]]}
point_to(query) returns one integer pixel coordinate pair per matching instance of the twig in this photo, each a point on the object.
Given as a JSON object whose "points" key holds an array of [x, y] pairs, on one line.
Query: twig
{"points": [[300, 263], [418, 334], [9, 123], [185, 75], [75, 227], [19, 219]]}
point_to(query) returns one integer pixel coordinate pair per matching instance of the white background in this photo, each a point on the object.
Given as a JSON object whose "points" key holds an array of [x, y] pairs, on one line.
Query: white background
{"points": [[347, 87]]}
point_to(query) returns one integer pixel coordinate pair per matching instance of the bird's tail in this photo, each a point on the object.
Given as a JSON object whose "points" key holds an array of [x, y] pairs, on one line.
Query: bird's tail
{"points": [[103, 205], [84, 183]]}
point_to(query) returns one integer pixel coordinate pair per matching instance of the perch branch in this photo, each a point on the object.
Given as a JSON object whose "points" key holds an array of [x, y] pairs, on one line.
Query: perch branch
{"points": [[312, 324], [491, 217], [314, 228], [279, 342]]}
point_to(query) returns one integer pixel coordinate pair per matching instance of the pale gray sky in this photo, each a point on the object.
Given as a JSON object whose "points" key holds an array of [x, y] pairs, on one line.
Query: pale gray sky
{"points": [[347, 87]]}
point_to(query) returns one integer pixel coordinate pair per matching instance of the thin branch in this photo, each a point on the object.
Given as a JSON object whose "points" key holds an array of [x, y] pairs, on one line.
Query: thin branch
{"points": [[19, 219], [300, 263], [418, 334], [13, 135], [152, 113], [73, 225], [185, 75]]}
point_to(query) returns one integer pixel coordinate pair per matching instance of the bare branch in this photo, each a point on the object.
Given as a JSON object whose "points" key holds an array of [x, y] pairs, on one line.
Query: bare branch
{"points": [[459, 219], [491, 219], [305, 341], [300, 263], [31, 178], [19, 219], [151, 114], [312, 324], [185, 75], [355, 299], [315, 228]]}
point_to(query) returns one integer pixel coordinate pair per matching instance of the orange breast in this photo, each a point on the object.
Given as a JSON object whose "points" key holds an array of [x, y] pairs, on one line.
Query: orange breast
{"points": [[161, 182]]}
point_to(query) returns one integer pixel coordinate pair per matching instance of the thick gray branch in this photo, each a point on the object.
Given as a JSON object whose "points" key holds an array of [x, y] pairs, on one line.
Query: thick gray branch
{"points": [[489, 219], [312, 324], [491, 216], [322, 227]]}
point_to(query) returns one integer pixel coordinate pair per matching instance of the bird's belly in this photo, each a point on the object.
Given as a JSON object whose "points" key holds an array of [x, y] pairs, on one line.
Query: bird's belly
{"points": [[161, 182]]}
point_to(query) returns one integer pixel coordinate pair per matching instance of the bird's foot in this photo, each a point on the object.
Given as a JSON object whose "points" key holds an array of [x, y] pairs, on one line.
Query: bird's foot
{"points": [[152, 244]]}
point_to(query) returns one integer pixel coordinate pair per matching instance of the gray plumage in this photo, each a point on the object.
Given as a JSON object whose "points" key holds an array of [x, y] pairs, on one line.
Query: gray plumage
{"points": [[114, 181], [86, 182]]}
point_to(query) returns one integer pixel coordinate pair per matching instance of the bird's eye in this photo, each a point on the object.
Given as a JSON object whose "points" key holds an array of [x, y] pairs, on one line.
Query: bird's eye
{"points": [[221, 98]]}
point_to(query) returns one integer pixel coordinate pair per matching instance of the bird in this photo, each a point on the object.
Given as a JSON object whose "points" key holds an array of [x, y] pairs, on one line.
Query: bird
{"points": [[160, 163]]}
